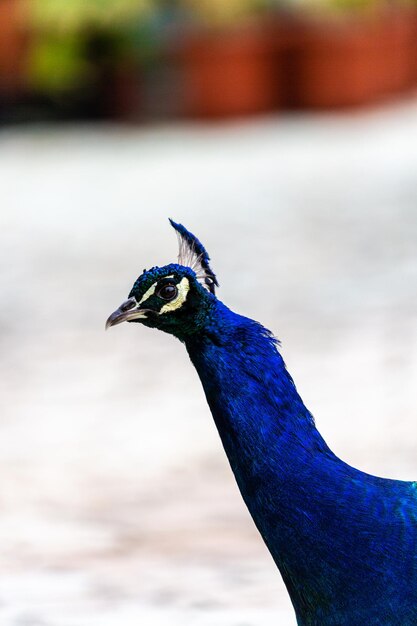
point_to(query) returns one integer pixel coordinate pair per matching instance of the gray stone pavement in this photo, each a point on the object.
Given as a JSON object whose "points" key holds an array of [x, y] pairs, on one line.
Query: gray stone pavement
{"points": [[117, 506]]}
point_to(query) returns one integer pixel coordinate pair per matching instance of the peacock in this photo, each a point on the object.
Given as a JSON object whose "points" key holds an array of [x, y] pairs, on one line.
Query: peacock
{"points": [[344, 541]]}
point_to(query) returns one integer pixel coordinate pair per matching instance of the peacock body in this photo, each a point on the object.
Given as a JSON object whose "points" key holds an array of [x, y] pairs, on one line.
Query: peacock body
{"points": [[343, 540]]}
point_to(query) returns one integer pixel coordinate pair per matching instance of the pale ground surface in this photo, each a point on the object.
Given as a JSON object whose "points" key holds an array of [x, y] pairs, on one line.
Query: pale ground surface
{"points": [[117, 506]]}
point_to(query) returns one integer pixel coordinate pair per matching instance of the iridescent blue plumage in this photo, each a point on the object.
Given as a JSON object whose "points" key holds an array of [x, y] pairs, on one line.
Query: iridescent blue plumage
{"points": [[343, 540]]}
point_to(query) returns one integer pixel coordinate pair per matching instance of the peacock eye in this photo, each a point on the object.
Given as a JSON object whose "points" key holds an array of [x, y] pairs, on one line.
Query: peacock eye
{"points": [[168, 292]]}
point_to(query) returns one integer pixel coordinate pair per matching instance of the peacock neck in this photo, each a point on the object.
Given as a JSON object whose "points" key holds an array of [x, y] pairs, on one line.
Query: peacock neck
{"points": [[277, 455], [261, 419], [318, 516]]}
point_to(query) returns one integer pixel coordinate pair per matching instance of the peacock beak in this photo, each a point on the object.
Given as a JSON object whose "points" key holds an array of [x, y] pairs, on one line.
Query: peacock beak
{"points": [[127, 311]]}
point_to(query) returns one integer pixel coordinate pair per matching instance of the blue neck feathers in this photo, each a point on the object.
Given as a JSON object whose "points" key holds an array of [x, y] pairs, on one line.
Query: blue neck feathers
{"points": [[303, 499], [261, 419]]}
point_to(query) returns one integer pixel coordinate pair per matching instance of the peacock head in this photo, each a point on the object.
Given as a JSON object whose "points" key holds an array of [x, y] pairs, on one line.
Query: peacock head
{"points": [[176, 298]]}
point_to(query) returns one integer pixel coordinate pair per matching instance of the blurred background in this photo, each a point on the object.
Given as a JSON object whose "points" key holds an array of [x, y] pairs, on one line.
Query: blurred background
{"points": [[141, 60], [284, 135]]}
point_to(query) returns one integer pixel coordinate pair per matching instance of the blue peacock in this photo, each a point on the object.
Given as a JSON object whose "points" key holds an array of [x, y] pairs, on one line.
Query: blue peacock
{"points": [[343, 540]]}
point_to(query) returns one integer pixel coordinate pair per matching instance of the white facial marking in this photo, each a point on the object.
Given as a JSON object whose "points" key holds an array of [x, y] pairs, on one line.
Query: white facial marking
{"points": [[183, 289], [148, 293]]}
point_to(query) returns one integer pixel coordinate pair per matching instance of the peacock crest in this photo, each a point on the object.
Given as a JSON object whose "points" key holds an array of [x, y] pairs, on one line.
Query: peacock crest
{"points": [[193, 254]]}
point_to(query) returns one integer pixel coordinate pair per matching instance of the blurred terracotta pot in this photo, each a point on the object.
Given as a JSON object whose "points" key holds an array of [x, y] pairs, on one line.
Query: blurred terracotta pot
{"points": [[230, 73], [398, 50], [338, 64], [13, 47], [414, 51]]}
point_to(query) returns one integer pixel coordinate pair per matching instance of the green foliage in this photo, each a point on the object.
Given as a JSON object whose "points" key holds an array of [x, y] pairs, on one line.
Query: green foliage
{"points": [[57, 64], [73, 16], [59, 61], [342, 6]]}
